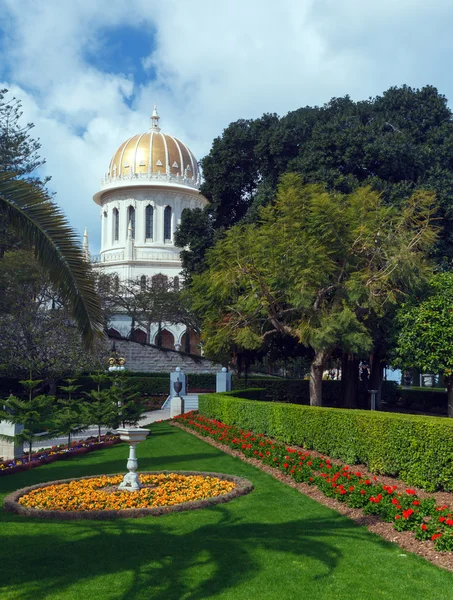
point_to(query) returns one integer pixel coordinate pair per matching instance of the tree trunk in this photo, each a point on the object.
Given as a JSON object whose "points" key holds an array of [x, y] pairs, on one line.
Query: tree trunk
{"points": [[377, 373], [449, 382], [69, 440], [99, 433], [187, 341], [349, 380], [316, 371]]}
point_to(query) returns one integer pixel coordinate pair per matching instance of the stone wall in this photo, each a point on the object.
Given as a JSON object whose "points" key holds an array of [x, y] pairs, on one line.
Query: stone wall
{"points": [[144, 357]]}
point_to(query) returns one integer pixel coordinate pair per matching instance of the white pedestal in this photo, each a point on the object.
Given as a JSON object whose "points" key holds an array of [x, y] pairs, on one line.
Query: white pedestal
{"points": [[9, 450], [223, 381], [176, 406]]}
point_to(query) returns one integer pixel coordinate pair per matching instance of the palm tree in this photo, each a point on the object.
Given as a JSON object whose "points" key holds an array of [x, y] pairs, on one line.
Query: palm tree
{"points": [[44, 227]]}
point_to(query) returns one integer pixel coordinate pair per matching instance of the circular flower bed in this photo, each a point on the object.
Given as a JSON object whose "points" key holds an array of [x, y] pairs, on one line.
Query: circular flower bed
{"points": [[99, 497]]}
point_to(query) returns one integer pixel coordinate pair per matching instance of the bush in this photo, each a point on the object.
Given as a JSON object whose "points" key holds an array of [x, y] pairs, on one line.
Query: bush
{"points": [[151, 386], [294, 391], [417, 449], [422, 399], [201, 381]]}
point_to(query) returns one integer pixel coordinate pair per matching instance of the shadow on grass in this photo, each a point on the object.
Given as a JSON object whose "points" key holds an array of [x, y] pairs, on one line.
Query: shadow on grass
{"points": [[154, 561]]}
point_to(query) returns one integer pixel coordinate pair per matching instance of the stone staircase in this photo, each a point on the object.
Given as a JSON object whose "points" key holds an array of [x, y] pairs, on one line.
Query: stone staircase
{"points": [[145, 357]]}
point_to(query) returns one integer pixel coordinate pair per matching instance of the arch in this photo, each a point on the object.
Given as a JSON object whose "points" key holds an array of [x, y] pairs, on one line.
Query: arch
{"points": [[138, 335], [116, 224], [159, 281], [114, 333], [167, 224], [131, 219], [194, 342], [176, 283], [168, 339], [149, 222], [143, 283]]}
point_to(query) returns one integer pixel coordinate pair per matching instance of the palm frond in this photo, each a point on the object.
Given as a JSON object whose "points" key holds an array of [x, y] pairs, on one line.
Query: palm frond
{"points": [[45, 228]]}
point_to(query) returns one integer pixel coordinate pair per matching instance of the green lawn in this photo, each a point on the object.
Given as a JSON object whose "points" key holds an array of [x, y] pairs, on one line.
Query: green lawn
{"points": [[272, 544]]}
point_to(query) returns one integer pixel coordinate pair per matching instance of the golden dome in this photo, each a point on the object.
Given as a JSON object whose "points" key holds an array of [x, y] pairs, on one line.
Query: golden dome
{"points": [[154, 153]]}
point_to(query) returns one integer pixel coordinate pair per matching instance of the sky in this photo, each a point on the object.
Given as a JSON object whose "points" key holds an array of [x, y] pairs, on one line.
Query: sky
{"points": [[89, 72]]}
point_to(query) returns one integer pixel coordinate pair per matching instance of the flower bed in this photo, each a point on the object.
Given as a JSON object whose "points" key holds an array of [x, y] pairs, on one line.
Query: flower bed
{"points": [[403, 508], [98, 497], [49, 455]]}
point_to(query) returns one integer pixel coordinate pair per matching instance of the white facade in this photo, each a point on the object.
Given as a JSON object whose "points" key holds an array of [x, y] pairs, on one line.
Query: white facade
{"points": [[152, 178]]}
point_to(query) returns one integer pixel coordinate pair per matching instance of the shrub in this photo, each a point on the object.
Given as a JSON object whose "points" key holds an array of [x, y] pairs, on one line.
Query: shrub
{"points": [[417, 449], [422, 399], [151, 386]]}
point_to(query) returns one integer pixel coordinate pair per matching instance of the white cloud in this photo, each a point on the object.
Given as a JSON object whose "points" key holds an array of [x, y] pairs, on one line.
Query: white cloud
{"points": [[212, 63]]}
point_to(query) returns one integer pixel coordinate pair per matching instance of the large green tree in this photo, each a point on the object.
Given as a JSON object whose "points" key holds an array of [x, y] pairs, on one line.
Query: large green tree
{"points": [[425, 332], [398, 143], [316, 267]]}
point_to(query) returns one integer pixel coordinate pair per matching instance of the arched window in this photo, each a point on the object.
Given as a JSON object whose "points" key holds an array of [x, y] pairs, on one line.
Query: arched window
{"points": [[143, 283], [159, 281], [131, 220], [116, 283], [167, 224], [176, 283], [116, 224], [149, 215]]}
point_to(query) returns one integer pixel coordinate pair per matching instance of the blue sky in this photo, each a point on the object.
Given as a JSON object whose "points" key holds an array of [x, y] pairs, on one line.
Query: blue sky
{"points": [[88, 73]]}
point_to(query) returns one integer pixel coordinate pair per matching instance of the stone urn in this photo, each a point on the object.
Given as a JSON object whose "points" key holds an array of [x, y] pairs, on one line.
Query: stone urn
{"points": [[133, 436]]}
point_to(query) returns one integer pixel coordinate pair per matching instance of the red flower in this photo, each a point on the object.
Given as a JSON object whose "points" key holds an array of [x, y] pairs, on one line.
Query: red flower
{"points": [[424, 527], [435, 536], [449, 522], [286, 465], [362, 492], [416, 503], [397, 516], [407, 513], [351, 488], [410, 492], [441, 519]]}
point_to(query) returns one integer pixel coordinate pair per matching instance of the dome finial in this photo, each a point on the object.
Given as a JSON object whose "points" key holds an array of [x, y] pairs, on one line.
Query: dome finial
{"points": [[155, 119]]}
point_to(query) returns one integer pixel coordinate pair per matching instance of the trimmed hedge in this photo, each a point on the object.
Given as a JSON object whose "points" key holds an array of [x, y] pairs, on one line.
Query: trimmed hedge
{"points": [[422, 399], [417, 449], [296, 391]]}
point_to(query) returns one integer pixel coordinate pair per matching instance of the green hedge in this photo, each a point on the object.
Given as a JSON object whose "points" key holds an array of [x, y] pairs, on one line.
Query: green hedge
{"points": [[417, 449], [296, 391], [422, 399], [151, 386]]}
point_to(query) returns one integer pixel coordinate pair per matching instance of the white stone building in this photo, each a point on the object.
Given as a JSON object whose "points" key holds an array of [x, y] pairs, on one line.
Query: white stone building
{"points": [[151, 179]]}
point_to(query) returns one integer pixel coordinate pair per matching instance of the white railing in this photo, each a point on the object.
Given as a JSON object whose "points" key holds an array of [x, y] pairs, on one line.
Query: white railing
{"points": [[111, 257], [181, 180], [147, 255], [162, 256]]}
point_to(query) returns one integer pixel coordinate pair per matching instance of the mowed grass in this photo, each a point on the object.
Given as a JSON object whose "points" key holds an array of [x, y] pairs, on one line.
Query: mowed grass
{"points": [[272, 544]]}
